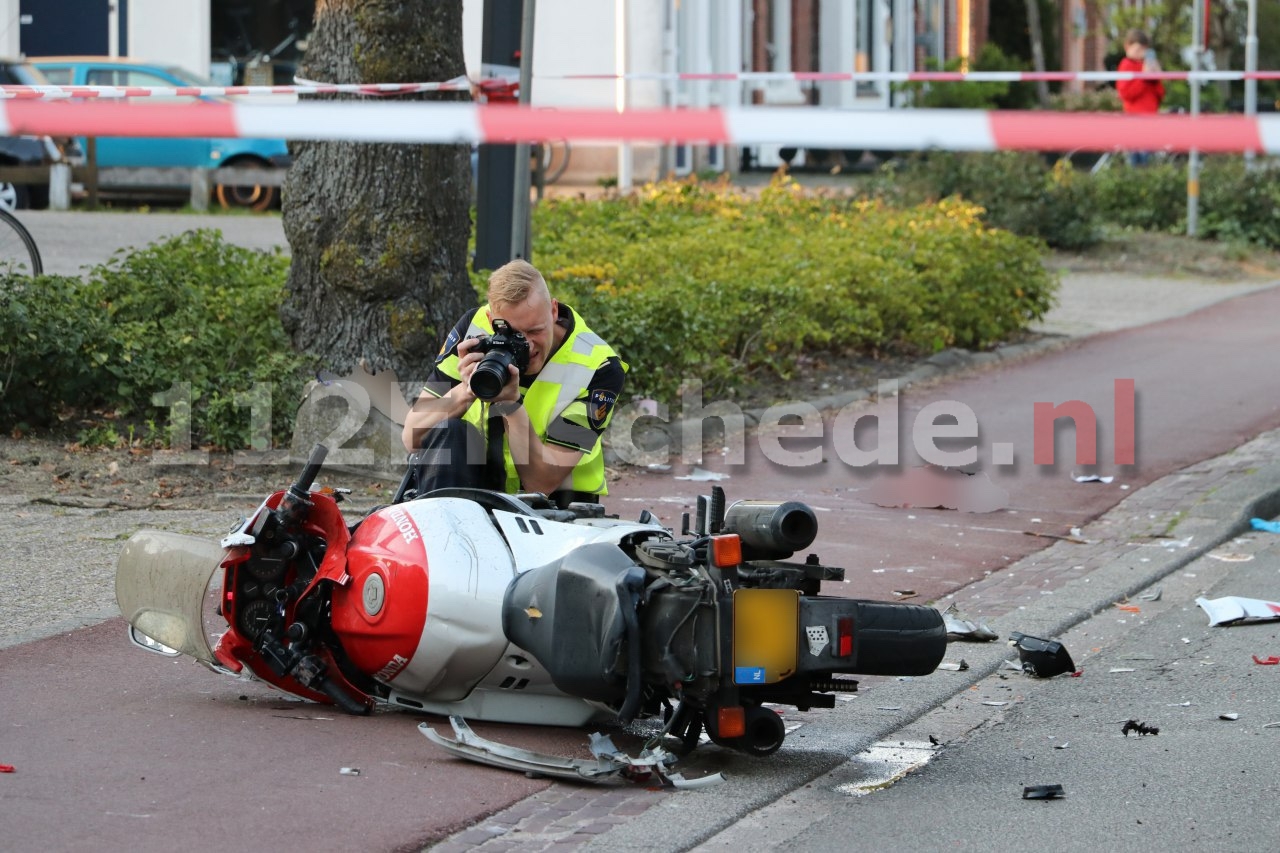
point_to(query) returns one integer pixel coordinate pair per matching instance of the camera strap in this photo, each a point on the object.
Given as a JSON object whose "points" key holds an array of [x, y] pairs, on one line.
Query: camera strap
{"points": [[495, 458]]}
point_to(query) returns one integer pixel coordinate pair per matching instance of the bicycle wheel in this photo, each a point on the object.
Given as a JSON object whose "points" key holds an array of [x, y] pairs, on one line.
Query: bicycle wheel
{"points": [[18, 252], [555, 159]]}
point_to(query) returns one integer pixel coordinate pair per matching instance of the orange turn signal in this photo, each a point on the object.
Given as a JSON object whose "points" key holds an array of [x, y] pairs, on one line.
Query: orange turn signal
{"points": [[726, 550], [731, 720]]}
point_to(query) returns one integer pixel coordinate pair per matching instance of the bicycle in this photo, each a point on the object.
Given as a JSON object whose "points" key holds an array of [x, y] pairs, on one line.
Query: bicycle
{"points": [[18, 252]]}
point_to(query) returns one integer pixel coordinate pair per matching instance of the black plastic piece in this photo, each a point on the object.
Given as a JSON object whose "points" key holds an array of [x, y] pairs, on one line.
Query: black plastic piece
{"points": [[1041, 658]]}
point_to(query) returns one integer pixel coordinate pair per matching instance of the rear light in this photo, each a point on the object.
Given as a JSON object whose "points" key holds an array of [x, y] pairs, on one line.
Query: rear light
{"points": [[844, 637], [731, 720], [726, 550]]}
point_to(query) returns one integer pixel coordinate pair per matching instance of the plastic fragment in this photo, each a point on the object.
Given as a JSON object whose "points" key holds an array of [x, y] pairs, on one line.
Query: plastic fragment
{"points": [[1231, 716], [1270, 661], [1121, 669], [7, 768], [1043, 792], [1264, 525], [955, 667], [1154, 595], [349, 771], [1041, 658], [1233, 609], [1129, 608]]}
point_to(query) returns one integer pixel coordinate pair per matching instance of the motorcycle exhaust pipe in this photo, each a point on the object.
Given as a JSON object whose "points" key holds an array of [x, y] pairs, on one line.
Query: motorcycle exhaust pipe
{"points": [[770, 530]]}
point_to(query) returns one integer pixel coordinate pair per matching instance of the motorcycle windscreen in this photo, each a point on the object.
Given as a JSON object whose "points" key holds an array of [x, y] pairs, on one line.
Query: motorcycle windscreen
{"points": [[162, 580]]}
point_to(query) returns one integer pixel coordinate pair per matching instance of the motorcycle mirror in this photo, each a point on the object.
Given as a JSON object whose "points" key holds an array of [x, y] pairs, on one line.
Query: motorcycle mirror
{"points": [[143, 641]]}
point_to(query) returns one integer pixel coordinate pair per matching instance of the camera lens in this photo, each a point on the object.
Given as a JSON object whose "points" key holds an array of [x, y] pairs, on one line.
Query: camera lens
{"points": [[490, 376]]}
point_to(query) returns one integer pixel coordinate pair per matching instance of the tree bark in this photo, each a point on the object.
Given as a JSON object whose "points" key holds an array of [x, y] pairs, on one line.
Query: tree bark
{"points": [[378, 232]]}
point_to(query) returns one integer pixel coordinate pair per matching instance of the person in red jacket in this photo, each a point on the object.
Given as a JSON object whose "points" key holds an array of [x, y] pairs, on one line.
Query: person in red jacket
{"points": [[1139, 97]]}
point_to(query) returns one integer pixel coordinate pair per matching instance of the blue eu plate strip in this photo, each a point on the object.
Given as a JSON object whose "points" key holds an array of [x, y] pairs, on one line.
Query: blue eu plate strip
{"points": [[748, 675]]}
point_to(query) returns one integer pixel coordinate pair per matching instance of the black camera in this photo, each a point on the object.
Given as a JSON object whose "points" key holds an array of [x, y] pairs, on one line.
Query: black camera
{"points": [[505, 346]]}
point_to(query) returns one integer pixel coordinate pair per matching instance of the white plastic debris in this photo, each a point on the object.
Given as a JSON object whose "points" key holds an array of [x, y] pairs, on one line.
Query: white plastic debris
{"points": [[1234, 609], [1091, 478], [349, 771], [1231, 716], [702, 475]]}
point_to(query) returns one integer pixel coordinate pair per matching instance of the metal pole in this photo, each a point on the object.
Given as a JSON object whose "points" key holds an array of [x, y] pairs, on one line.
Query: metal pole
{"points": [[621, 95], [1251, 64], [1193, 160], [520, 242]]}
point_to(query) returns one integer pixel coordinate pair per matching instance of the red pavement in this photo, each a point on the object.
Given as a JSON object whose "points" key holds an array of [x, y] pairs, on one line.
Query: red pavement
{"points": [[118, 749]]}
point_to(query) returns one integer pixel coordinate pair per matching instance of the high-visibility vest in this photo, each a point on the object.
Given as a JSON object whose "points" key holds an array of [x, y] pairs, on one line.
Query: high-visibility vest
{"points": [[561, 383]]}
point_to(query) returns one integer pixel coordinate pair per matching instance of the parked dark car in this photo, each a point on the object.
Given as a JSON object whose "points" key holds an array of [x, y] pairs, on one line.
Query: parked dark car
{"points": [[39, 151]]}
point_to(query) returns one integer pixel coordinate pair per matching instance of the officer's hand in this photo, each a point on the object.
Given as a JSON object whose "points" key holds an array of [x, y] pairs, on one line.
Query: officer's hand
{"points": [[467, 363], [510, 391]]}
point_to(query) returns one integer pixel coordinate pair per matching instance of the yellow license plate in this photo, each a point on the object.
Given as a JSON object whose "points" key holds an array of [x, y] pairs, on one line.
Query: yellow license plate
{"points": [[766, 635]]}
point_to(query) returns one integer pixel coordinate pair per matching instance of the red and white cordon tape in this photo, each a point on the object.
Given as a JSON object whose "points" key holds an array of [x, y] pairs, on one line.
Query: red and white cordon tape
{"points": [[51, 93], [438, 122], [925, 76], [462, 83]]}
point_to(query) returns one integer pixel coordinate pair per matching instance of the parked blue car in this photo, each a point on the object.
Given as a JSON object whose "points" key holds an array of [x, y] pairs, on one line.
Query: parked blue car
{"points": [[159, 152]]}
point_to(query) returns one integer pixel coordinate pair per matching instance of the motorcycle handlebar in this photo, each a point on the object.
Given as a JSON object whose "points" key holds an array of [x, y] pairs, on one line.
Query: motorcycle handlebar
{"points": [[302, 486]]}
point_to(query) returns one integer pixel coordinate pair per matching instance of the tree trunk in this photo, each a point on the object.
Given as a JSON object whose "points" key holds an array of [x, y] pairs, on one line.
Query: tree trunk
{"points": [[1037, 50], [379, 232]]}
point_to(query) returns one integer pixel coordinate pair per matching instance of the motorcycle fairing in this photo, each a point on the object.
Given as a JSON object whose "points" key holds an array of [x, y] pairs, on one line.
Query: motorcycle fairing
{"points": [[161, 582]]}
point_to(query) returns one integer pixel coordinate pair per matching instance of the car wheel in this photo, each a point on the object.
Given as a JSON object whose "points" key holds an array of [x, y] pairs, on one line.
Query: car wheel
{"points": [[14, 196], [257, 197]]}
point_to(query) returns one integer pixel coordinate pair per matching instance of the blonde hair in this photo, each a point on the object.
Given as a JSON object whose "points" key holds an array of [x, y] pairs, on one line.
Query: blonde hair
{"points": [[514, 282], [1136, 37]]}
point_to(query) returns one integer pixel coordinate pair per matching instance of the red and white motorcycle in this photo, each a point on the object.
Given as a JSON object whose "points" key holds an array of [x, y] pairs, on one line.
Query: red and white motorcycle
{"points": [[487, 606]]}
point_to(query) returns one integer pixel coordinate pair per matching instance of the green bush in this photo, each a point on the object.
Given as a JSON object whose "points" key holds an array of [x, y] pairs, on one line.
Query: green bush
{"points": [[1151, 197], [191, 315], [1238, 203], [1018, 191], [46, 325], [974, 95], [701, 281]]}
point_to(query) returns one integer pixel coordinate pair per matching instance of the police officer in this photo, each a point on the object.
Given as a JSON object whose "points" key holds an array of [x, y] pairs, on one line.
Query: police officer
{"points": [[542, 432]]}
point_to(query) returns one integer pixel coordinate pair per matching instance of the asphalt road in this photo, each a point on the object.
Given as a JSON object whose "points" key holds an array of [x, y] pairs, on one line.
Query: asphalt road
{"points": [[116, 748], [1201, 783]]}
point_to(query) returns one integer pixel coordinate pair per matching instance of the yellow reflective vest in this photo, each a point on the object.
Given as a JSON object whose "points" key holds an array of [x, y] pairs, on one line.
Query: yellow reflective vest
{"points": [[559, 390]]}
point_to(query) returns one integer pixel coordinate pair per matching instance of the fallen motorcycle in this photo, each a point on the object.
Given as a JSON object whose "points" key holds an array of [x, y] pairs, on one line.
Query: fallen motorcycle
{"points": [[488, 606]]}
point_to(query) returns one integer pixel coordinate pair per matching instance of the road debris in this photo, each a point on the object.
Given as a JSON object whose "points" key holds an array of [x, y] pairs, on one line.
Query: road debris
{"points": [[349, 771], [1121, 669], [1140, 728], [954, 667], [1154, 595], [1091, 478], [1041, 658], [963, 629], [7, 768], [1264, 525], [1128, 608], [1043, 792], [1073, 539], [609, 763], [1230, 717], [1233, 609], [1268, 661], [702, 475]]}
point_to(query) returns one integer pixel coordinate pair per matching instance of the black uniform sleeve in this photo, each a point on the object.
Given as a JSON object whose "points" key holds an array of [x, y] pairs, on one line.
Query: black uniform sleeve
{"points": [[441, 380]]}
